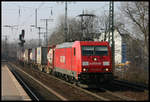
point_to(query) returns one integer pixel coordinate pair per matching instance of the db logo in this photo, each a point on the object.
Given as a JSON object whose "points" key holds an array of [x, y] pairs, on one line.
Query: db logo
{"points": [[62, 59]]}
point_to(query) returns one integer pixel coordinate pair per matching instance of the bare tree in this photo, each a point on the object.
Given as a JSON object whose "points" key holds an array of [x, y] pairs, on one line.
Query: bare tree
{"points": [[74, 30], [137, 15], [74, 33], [101, 24]]}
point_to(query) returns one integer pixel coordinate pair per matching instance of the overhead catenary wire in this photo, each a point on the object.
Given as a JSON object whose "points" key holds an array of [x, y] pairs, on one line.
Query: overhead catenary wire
{"points": [[33, 13], [20, 11]]}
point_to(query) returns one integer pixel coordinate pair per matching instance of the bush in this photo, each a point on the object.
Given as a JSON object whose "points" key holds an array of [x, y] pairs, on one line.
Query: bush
{"points": [[133, 74], [136, 75]]}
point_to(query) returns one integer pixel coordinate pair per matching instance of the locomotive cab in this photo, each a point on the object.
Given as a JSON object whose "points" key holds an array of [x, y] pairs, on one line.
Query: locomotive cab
{"points": [[96, 63]]}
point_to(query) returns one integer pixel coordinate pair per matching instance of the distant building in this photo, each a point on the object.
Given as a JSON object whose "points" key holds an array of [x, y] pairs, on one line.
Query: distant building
{"points": [[120, 45]]}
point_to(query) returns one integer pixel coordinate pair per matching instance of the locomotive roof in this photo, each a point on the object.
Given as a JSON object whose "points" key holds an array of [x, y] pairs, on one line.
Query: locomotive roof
{"points": [[65, 45], [70, 44]]}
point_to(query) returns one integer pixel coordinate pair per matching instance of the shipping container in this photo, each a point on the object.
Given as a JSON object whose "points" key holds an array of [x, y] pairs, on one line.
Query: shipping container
{"points": [[50, 56], [20, 54], [33, 55], [42, 55], [30, 56], [27, 55]]}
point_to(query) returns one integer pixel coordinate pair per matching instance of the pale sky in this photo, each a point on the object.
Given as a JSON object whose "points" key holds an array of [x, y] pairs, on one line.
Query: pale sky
{"points": [[23, 15]]}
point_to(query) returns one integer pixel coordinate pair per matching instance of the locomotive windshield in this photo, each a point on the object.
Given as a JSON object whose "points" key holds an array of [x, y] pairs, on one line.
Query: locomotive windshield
{"points": [[94, 50]]}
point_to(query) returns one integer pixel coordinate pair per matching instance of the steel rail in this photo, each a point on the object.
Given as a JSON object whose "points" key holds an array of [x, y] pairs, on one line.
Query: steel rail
{"points": [[128, 85], [25, 85], [117, 95], [79, 88], [93, 93], [49, 89]]}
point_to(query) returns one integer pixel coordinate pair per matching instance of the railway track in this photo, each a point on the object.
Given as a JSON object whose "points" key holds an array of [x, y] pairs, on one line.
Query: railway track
{"points": [[131, 85], [117, 96], [37, 87], [99, 94], [109, 94], [25, 86], [77, 95], [125, 92]]}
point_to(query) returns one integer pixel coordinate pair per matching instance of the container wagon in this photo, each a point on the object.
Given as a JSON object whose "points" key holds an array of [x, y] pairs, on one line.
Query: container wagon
{"points": [[27, 56], [41, 58], [33, 56]]}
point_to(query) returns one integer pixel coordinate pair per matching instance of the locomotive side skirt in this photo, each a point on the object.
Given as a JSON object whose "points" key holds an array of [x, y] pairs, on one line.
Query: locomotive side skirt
{"points": [[67, 72]]}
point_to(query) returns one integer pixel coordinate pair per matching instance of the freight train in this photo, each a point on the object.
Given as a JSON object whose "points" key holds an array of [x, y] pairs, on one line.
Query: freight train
{"points": [[80, 61]]}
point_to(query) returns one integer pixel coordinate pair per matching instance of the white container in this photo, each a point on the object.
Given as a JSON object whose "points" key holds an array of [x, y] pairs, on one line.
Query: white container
{"points": [[42, 55]]}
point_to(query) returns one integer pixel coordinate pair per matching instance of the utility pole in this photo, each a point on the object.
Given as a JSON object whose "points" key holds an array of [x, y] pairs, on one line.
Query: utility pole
{"points": [[5, 47], [39, 36], [46, 21], [66, 28], [39, 28], [84, 25], [36, 17], [66, 24], [44, 35], [111, 29]]}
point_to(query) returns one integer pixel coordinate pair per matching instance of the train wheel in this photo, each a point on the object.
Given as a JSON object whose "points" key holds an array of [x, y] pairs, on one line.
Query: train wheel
{"points": [[56, 74], [36, 66], [76, 83], [67, 78], [53, 72], [50, 71], [72, 80]]}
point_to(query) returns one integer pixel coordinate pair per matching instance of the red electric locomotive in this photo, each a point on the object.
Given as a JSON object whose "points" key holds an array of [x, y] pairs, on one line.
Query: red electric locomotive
{"points": [[83, 61]]}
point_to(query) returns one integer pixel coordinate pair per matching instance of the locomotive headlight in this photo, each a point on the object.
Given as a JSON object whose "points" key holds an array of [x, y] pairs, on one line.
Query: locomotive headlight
{"points": [[85, 69], [95, 59], [85, 63], [106, 63], [106, 69]]}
